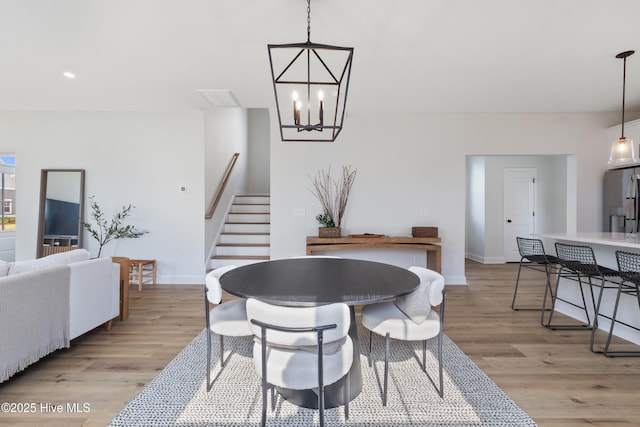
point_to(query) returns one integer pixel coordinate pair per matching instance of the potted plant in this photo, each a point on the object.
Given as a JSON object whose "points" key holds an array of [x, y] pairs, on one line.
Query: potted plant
{"points": [[106, 232], [333, 195]]}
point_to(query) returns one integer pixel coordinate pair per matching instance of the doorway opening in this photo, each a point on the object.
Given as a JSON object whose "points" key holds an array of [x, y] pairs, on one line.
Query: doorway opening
{"points": [[554, 201]]}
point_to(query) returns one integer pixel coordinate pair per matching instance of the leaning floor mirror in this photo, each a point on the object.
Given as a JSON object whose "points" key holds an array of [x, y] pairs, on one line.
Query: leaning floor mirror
{"points": [[61, 211]]}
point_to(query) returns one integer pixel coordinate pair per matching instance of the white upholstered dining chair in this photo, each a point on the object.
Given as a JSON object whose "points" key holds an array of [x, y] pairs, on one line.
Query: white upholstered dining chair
{"points": [[228, 318], [301, 348], [410, 318]]}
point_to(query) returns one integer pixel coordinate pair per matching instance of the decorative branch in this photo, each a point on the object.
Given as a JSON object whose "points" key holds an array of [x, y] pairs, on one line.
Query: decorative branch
{"points": [[106, 232], [332, 194]]}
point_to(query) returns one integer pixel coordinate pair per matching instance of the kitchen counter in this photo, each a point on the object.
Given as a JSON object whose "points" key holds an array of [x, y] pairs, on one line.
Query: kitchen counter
{"points": [[604, 246], [620, 240]]}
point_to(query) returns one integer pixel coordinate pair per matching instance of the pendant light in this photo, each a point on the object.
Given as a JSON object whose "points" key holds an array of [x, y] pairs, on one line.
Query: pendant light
{"points": [[622, 149], [310, 83]]}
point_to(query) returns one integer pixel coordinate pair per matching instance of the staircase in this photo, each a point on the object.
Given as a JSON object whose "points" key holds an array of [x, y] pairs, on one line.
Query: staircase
{"points": [[245, 238]]}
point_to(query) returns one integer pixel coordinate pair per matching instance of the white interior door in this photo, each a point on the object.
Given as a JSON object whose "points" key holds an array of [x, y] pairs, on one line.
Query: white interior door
{"points": [[519, 209]]}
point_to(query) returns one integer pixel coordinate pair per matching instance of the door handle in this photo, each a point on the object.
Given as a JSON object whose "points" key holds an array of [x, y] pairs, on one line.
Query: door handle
{"points": [[508, 220]]}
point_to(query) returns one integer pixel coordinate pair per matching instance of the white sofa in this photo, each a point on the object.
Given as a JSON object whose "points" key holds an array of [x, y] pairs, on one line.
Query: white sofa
{"points": [[47, 302]]}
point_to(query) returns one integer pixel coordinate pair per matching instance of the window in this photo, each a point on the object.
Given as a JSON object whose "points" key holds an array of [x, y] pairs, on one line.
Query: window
{"points": [[8, 192]]}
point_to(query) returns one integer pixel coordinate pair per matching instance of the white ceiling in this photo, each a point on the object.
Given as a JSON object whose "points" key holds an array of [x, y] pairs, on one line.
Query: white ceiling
{"points": [[410, 55]]}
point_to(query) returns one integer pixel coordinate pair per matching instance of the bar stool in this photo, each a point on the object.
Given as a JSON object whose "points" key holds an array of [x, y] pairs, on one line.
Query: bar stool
{"points": [[533, 256], [578, 262], [629, 269]]}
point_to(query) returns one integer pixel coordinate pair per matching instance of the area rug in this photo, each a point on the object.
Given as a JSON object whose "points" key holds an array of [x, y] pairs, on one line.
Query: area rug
{"points": [[178, 396]]}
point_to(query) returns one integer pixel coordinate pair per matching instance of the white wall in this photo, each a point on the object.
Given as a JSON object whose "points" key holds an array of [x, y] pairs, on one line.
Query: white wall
{"points": [[258, 169], [563, 201], [129, 157], [225, 134], [406, 163], [475, 208], [410, 162]]}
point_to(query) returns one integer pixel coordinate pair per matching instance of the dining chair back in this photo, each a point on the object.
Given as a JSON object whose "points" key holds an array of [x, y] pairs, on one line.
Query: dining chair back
{"points": [[301, 348]]}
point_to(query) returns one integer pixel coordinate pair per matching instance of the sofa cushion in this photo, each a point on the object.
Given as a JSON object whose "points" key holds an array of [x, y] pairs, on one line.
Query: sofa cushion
{"points": [[19, 267], [62, 258]]}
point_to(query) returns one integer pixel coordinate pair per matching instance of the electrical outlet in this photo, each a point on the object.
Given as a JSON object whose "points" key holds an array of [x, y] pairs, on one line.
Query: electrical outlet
{"points": [[424, 212], [183, 188]]}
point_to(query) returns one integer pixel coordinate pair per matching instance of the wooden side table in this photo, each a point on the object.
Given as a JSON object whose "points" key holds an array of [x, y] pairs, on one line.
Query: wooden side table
{"points": [[427, 244], [124, 285], [142, 271]]}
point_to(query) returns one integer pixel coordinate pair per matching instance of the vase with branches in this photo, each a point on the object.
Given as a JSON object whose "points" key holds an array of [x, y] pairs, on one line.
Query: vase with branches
{"points": [[104, 231], [333, 195]]}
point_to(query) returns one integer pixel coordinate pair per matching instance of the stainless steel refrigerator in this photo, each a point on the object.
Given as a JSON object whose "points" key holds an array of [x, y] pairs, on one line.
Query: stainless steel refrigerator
{"points": [[621, 200]]}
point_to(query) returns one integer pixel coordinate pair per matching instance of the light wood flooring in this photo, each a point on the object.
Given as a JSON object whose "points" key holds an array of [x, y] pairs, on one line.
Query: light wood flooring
{"points": [[552, 375]]}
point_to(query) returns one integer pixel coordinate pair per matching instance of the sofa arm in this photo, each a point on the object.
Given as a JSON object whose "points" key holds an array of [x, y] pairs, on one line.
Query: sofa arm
{"points": [[94, 294]]}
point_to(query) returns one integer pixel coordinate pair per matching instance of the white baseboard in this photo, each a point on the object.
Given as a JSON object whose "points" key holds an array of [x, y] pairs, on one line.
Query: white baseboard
{"points": [[485, 260], [455, 280]]}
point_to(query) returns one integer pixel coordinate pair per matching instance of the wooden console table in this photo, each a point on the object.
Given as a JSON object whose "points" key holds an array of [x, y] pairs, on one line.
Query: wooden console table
{"points": [[434, 252]]}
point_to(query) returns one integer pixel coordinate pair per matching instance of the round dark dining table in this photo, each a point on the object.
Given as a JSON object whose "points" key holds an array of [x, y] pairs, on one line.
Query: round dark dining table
{"points": [[315, 280]]}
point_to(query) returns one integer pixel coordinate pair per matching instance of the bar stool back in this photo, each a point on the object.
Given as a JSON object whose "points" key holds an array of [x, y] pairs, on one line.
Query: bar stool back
{"points": [[533, 256], [629, 268]]}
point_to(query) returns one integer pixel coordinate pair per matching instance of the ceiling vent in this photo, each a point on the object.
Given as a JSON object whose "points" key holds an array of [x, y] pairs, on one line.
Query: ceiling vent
{"points": [[219, 97]]}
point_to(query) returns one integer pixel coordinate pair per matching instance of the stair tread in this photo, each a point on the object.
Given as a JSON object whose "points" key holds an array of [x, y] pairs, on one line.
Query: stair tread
{"points": [[247, 229], [234, 222]]}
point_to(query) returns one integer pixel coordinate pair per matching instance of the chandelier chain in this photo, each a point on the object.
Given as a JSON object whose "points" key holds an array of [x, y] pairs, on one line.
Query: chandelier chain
{"points": [[308, 20]]}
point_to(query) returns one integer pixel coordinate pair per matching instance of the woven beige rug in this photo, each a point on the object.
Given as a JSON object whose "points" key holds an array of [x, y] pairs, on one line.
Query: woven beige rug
{"points": [[178, 396]]}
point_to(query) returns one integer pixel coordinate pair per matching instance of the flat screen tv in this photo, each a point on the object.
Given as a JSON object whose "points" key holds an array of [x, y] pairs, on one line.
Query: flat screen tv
{"points": [[61, 218]]}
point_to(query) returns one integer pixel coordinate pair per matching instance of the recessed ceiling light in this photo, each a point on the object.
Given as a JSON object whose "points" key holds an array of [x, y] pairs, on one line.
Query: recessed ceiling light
{"points": [[69, 75]]}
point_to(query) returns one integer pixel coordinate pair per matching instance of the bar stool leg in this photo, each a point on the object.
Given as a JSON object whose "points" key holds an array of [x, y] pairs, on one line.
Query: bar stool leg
{"points": [[619, 353], [613, 320], [515, 291], [596, 314], [586, 325], [548, 290]]}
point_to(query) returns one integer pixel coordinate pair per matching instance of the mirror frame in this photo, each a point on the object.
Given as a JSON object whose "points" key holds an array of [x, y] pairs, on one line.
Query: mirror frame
{"points": [[44, 177]]}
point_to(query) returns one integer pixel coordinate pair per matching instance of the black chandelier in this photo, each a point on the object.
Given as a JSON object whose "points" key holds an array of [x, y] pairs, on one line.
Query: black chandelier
{"points": [[310, 82]]}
